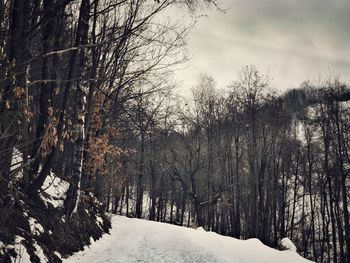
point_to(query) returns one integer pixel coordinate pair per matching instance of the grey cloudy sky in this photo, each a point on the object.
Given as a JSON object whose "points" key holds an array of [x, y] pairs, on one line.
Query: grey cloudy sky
{"points": [[291, 40]]}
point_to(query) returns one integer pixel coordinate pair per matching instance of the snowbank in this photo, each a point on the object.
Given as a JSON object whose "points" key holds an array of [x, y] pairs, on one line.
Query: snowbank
{"points": [[21, 251], [54, 190], [135, 240], [287, 244]]}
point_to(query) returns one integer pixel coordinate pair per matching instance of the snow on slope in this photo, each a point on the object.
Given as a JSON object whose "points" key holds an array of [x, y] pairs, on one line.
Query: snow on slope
{"points": [[136, 240], [54, 190]]}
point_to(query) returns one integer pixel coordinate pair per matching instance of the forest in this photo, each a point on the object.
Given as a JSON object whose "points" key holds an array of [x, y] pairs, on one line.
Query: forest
{"points": [[87, 95]]}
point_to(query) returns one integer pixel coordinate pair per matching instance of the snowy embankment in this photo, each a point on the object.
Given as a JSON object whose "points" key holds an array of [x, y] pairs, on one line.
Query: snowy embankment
{"points": [[136, 240], [36, 228]]}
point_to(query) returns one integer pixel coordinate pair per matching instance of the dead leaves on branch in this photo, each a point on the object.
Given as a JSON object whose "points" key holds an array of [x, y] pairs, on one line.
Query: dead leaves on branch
{"points": [[102, 148], [19, 92], [50, 138]]}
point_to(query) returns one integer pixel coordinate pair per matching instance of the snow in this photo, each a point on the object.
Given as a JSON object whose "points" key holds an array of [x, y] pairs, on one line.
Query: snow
{"points": [[99, 220], [22, 254], [40, 253], [136, 240], [54, 190], [35, 227], [16, 162], [17, 159], [21, 251], [287, 244]]}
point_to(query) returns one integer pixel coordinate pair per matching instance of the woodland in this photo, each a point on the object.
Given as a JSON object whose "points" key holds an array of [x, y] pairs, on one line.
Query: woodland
{"points": [[87, 94]]}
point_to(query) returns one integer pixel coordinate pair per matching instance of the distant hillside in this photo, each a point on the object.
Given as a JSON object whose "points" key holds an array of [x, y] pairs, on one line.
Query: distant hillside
{"points": [[306, 95]]}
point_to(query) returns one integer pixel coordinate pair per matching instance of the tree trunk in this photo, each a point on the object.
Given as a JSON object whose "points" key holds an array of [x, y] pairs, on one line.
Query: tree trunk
{"points": [[139, 185], [73, 194]]}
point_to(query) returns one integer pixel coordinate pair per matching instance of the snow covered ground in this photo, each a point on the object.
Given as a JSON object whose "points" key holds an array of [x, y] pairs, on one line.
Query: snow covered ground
{"points": [[135, 240]]}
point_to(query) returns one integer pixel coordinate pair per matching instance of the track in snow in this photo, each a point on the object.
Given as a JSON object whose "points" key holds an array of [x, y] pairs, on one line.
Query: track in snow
{"points": [[136, 240]]}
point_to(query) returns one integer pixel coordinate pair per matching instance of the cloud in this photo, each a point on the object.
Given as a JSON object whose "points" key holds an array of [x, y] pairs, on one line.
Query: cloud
{"points": [[293, 40], [326, 19]]}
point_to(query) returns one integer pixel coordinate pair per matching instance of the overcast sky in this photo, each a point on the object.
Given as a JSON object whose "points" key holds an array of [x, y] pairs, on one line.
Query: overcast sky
{"points": [[291, 40]]}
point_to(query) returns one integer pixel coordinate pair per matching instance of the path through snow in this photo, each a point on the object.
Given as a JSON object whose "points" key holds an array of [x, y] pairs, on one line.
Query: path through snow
{"points": [[135, 240]]}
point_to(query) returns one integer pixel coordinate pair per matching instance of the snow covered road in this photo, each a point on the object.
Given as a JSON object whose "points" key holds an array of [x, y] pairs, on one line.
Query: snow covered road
{"points": [[135, 240]]}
